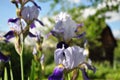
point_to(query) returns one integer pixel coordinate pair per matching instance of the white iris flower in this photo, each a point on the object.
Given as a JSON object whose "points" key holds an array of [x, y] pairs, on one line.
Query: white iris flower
{"points": [[70, 57], [65, 27], [29, 13]]}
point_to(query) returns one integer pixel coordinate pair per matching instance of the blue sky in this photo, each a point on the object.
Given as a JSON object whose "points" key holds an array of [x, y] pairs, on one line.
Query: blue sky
{"points": [[7, 10]]}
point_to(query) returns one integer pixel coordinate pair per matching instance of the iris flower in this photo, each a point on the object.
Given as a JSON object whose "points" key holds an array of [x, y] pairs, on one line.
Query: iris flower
{"points": [[30, 15], [18, 31], [71, 58], [65, 27], [57, 73], [17, 27], [3, 60]]}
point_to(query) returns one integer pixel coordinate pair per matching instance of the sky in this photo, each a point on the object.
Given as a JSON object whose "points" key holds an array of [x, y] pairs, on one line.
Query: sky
{"points": [[8, 10]]}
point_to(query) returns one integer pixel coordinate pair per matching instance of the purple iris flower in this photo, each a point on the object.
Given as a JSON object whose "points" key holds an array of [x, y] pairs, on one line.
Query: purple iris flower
{"points": [[4, 58], [9, 35], [16, 24], [30, 15], [57, 74], [66, 28], [73, 57], [17, 27]]}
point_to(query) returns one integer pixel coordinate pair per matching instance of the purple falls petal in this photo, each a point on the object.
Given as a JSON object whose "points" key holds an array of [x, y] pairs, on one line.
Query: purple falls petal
{"points": [[53, 33], [31, 34], [91, 67], [57, 33], [35, 4], [40, 22], [84, 74], [15, 2], [9, 35], [57, 74], [13, 20], [4, 58], [32, 25], [81, 35]]}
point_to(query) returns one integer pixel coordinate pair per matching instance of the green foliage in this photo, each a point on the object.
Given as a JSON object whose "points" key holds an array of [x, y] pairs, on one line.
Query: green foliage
{"points": [[35, 71], [104, 71], [8, 49]]}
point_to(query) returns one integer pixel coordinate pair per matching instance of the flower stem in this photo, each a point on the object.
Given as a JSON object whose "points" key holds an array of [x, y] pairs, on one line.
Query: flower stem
{"points": [[68, 76], [11, 73], [21, 63], [5, 74]]}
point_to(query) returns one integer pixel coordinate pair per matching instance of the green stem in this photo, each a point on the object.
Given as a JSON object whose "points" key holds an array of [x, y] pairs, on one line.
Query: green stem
{"points": [[21, 63], [5, 74], [68, 75], [11, 73]]}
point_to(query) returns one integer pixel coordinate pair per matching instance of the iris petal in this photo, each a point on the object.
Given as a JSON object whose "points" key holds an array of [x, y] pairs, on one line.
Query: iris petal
{"points": [[40, 22], [13, 20], [9, 35], [4, 58], [81, 35], [35, 4], [32, 25], [57, 74], [31, 34], [91, 67], [85, 76]]}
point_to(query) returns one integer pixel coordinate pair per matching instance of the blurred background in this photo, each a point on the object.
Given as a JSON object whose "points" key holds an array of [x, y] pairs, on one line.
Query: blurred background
{"points": [[101, 19]]}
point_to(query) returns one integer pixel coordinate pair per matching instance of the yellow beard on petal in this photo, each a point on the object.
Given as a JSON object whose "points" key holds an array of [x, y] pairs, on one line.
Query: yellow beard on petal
{"points": [[61, 66]]}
